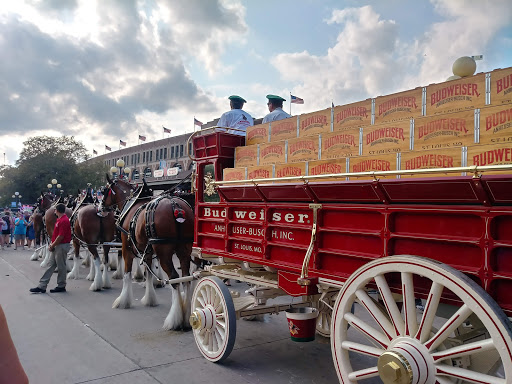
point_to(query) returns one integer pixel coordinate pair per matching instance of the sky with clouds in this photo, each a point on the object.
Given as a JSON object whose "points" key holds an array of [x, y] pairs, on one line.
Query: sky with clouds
{"points": [[105, 70]]}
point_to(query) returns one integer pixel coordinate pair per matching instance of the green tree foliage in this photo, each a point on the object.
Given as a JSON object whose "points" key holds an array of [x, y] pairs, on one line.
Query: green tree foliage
{"points": [[44, 158]]}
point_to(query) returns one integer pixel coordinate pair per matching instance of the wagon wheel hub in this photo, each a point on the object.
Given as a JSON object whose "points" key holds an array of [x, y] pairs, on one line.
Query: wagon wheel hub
{"points": [[394, 368], [203, 318]]}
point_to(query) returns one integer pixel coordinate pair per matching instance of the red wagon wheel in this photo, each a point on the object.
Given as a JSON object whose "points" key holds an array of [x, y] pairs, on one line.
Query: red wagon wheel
{"points": [[213, 319], [468, 342]]}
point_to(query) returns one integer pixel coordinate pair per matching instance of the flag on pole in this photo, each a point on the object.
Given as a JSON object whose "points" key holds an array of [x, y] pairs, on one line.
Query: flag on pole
{"points": [[332, 102], [296, 100], [123, 143], [197, 122], [94, 152], [143, 138], [166, 130], [108, 148]]}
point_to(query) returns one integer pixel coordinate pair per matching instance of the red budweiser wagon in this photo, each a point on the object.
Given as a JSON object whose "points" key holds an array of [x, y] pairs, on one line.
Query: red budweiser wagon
{"points": [[364, 253]]}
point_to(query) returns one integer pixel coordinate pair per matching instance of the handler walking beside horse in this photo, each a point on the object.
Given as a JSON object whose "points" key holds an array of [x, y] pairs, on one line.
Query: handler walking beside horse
{"points": [[59, 248]]}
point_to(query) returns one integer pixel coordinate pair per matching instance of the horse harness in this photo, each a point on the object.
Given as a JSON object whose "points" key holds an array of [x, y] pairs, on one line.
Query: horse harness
{"points": [[150, 228]]}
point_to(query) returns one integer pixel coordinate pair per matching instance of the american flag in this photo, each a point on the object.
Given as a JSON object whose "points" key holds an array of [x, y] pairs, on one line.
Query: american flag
{"points": [[108, 148], [94, 152], [123, 143], [166, 130], [296, 100], [197, 122], [143, 138]]}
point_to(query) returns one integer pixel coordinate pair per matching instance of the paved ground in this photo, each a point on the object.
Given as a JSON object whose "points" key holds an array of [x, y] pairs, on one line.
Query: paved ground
{"points": [[76, 337]]}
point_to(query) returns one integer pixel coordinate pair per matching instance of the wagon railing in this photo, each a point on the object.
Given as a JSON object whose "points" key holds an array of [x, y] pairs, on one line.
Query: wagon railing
{"points": [[476, 170]]}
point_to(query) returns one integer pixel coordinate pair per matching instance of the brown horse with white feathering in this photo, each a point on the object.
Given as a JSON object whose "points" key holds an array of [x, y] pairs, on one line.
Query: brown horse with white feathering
{"points": [[159, 226], [92, 228]]}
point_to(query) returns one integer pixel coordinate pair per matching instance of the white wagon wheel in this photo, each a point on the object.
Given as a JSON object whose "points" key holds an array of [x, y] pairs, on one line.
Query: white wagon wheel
{"points": [[324, 318], [213, 319], [403, 346]]}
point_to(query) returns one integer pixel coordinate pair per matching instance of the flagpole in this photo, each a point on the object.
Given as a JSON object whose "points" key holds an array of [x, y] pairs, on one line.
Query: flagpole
{"points": [[290, 103]]}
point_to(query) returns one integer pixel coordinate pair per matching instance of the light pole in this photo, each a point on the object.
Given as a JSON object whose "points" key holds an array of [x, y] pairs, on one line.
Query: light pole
{"points": [[119, 170], [17, 199], [54, 187]]}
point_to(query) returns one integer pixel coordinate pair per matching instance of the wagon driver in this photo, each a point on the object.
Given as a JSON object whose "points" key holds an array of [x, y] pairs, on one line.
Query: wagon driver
{"points": [[275, 107], [236, 117]]}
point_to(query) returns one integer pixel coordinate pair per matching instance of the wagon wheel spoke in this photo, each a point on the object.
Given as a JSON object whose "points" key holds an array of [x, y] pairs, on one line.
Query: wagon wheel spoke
{"points": [[208, 295], [218, 339], [464, 350], [467, 375], [221, 332], [210, 342], [221, 323], [429, 313], [367, 330], [368, 303], [362, 349], [364, 374], [390, 304], [451, 324], [411, 323], [201, 301]]}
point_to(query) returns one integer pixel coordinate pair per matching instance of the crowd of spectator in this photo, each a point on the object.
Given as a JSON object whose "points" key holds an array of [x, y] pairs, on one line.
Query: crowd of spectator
{"points": [[17, 230]]}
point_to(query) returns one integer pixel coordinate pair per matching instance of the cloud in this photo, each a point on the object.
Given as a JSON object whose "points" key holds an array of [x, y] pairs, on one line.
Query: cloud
{"points": [[369, 58], [357, 65], [81, 66]]}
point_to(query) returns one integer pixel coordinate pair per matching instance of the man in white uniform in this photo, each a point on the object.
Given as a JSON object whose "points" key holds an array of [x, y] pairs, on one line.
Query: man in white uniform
{"points": [[236, 118], [275, 107]]}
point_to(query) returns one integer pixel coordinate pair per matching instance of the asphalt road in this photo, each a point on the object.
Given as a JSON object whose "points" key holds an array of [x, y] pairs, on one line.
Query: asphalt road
{"points": [[76, 337]]}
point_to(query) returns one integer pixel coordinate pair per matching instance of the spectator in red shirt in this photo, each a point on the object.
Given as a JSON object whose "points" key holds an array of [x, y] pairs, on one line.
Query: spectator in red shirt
{"points": [[59, 248]]}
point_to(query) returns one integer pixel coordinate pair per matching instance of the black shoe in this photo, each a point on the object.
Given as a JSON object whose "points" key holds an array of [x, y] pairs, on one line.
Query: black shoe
{"points": [[37, 290], [58, 289]]}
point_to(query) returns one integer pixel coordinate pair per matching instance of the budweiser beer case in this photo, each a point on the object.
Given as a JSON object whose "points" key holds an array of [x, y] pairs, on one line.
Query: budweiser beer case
{"points": [[496, 124], [456, 95], [257, 134], [325, 167], [303, 149], [283, 129], [496, 154], [246, 156], [315, 123], [290, 170], [352, 115], [386, 138], [501, 86], [231, 174], [398, 106], [272, 153], [444, 131], [260, 172], [340, 144], [386, 162], [437, 158]]}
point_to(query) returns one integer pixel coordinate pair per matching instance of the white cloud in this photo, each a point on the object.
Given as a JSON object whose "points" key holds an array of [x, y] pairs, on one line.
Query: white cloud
{"points": [[101, 70], [369, 59]]}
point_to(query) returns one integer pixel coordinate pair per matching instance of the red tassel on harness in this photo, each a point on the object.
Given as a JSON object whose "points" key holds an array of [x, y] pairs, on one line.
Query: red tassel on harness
{"points": [[179, 215]]}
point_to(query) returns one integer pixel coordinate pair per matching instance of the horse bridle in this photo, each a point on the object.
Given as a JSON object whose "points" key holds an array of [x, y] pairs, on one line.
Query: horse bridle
{"points": [[128, 196]]}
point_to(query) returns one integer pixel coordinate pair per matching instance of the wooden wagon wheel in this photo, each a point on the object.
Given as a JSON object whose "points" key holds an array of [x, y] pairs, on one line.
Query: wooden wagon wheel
{"points": [[213, 319], [323, 321], [405, 346]]}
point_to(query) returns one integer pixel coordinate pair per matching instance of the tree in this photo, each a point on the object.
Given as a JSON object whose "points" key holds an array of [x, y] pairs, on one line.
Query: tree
{"points": [[63, 147], [45, 158]]}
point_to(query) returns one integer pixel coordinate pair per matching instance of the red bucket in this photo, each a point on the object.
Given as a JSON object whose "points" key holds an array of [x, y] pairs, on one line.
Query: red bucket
{"points": [[302, 323]]}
